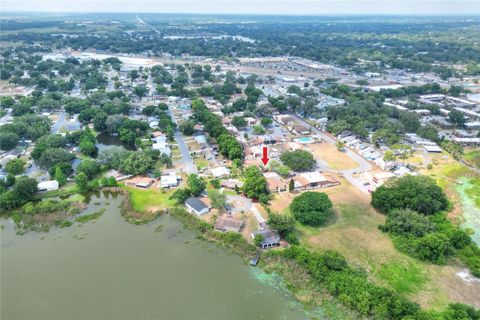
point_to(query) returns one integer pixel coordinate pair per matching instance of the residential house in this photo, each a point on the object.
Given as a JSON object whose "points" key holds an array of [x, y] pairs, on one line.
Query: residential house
{"points": [[312, 180], [274, 182], [269, 238], [230, 184], [50, 185], [220, 172], [169, 180], [228, 223], [197, 206]]}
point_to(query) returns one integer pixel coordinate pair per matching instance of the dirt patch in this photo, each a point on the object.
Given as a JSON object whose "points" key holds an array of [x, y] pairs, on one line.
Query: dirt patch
{"points": [[335, 159]]}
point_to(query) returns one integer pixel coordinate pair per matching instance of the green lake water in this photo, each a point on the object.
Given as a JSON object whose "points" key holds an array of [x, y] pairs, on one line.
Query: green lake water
{"points": [[110, 269]]}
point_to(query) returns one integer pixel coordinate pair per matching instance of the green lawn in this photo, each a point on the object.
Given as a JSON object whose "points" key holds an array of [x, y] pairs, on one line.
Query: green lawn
{"points": [[200, 162], [149, 199], [403, 277]]}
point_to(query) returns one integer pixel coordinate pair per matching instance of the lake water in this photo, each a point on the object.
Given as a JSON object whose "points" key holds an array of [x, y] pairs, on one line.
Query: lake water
{"points": [[104, 139], [110, 269]]}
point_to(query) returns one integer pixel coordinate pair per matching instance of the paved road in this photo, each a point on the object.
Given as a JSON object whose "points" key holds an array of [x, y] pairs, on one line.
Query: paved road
{"points": [[363, 164], [59, 123], [188, 163]]}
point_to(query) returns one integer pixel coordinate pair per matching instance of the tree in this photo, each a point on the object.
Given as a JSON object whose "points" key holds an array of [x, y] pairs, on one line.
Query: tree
{"points": [[24, 188], [433, 247], [140, 90], [6, 102], [82, 182], [257, 240], [99, 121], [112, 156], [258, 130], [418, 193], [429, 132], [312, 208], [408, 222], [403, 151], [187, 127], [8, 140], [291, 185], [457, 118], [218, 199], [266, 122], [299, 160], [215, 183], [46, 142], [15, 166], [340, 145], [60, 176], [284, 224], [389, 156], [196, 184], [181, 195], [89, 167], [362, 82], [410, 121], [87, 147], [255, 183], [139, 162], [239, 122], [53, 156]]}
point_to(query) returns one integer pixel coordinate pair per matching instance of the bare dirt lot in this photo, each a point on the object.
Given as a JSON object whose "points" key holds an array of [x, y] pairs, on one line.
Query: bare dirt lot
{"points": [[335, 159]]}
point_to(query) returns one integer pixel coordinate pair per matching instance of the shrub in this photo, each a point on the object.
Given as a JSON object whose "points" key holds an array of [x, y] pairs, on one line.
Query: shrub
{"points": [[433, 247]]}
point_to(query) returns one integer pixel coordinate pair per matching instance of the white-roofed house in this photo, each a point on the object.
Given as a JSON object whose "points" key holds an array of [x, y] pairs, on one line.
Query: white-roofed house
{"points": [[220, 172], [50, 185], [169, 180]]}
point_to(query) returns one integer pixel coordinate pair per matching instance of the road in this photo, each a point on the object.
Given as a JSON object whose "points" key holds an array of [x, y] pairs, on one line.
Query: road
{"points": [[363, 164], [59, 123], [188, 163]]}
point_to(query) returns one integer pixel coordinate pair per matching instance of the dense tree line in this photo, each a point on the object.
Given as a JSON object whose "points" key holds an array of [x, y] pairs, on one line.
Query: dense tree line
{"points": [[351, 286], [227, 144], [416, 220], [330, 40]]}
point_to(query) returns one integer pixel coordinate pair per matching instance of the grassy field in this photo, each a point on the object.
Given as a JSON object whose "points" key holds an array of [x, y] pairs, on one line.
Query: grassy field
{"points": [[354, 232], [201, 162], [472, 157], [150, 200]]}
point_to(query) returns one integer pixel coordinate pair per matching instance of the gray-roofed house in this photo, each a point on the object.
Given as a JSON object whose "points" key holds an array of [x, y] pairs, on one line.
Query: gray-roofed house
{"points": [[197, 206], [270, 238]]}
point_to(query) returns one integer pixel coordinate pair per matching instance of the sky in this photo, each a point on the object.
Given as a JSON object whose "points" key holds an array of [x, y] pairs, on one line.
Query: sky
{"points": [[287, 7]]}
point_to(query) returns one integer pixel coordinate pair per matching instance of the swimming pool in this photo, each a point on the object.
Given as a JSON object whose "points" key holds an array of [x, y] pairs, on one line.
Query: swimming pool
{"points": [[304, 140]]}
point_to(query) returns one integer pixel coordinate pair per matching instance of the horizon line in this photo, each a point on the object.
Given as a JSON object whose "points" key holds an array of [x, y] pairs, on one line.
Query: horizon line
{"points": [[469, 14]]}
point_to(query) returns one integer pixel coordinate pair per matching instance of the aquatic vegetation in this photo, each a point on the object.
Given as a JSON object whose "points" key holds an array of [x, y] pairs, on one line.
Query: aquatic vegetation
{"points": [[469, 191], [89, 217], [40, 216]]}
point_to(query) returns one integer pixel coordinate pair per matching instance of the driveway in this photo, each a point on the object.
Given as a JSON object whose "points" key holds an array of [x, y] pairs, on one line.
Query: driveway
{"points": [[245, 204]]}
